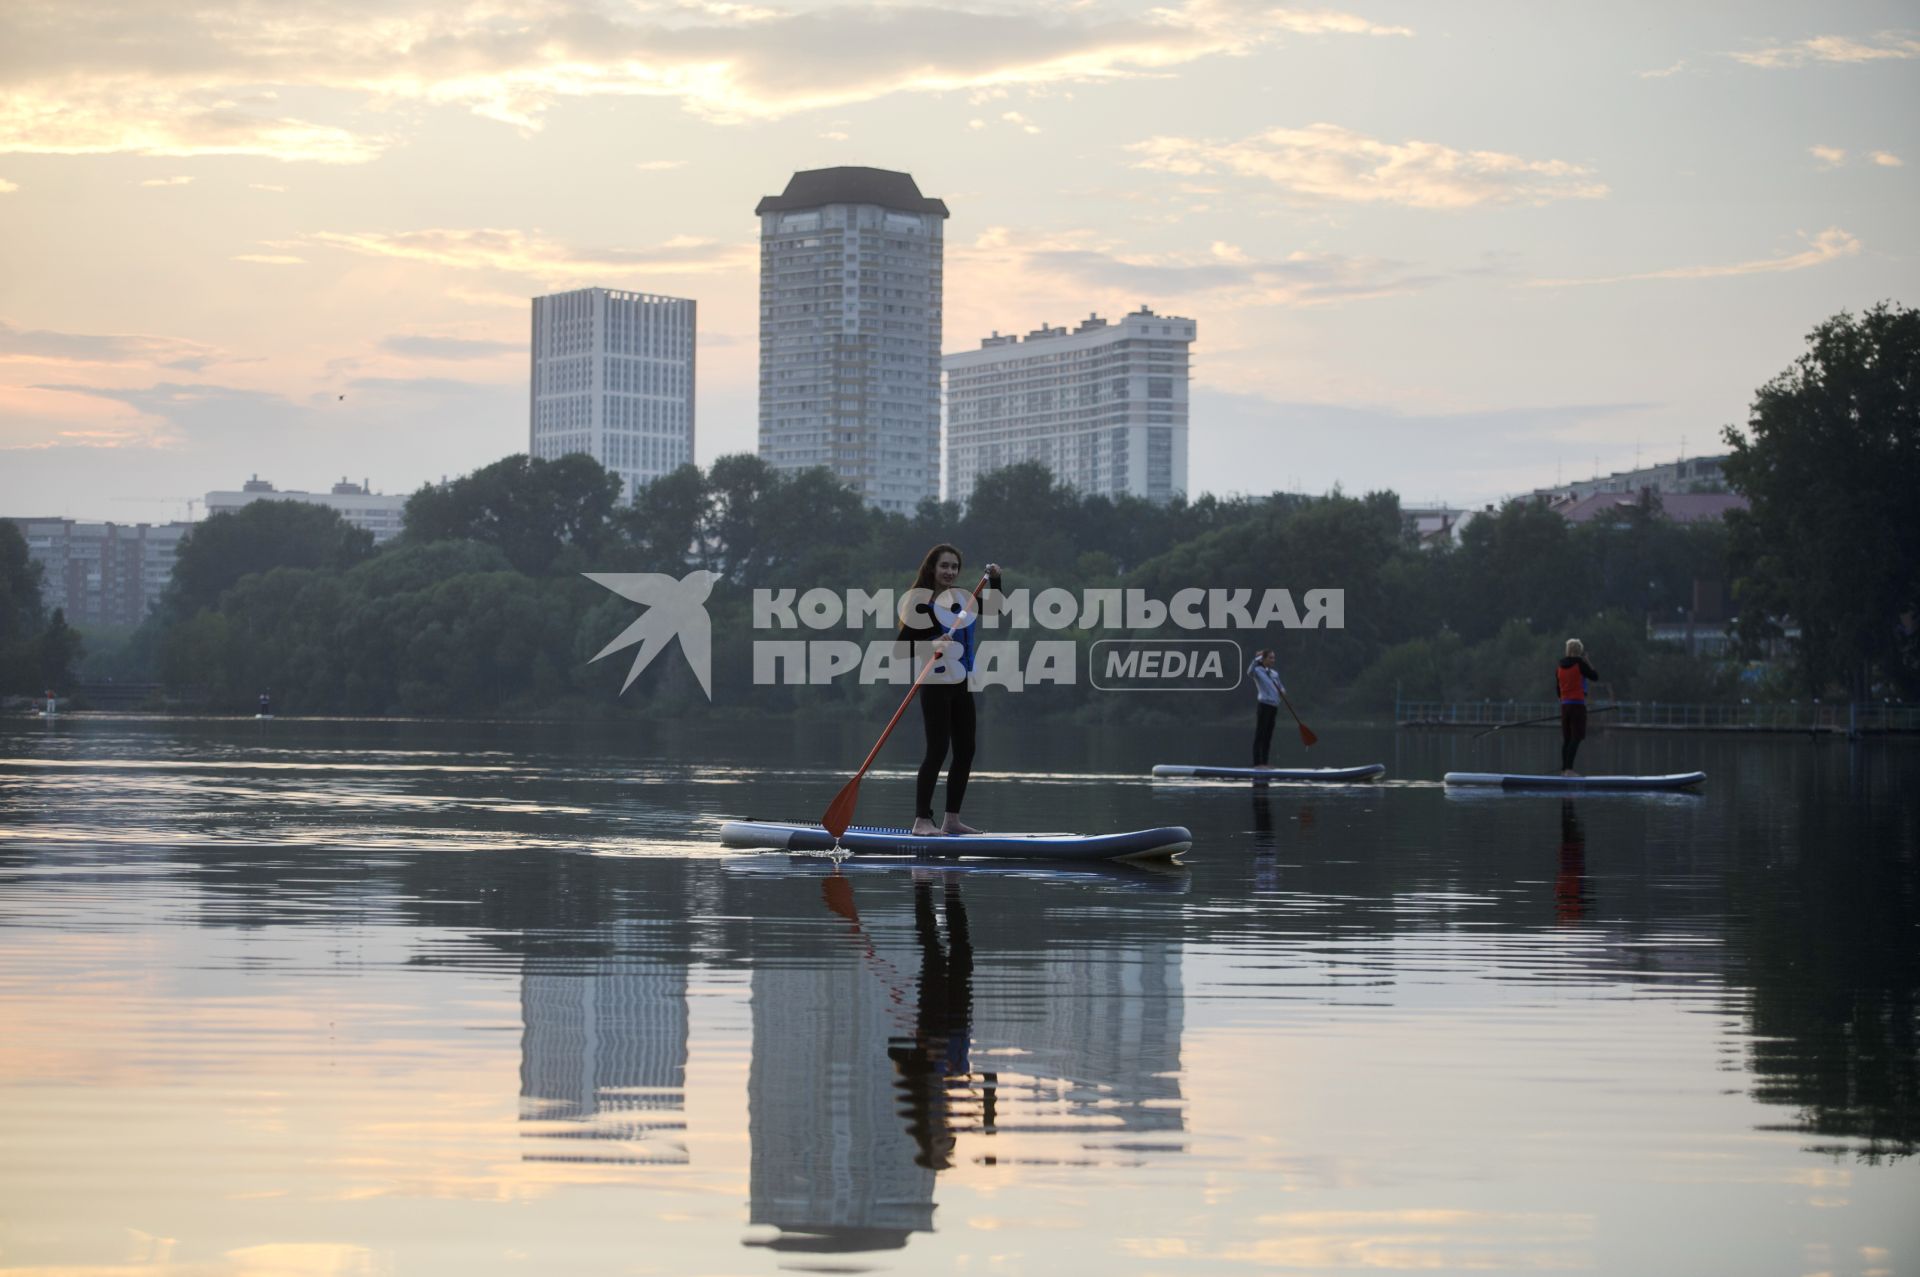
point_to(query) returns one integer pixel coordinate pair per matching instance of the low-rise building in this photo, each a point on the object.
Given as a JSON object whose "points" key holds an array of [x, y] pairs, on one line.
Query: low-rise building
{"points": [[1677, 507], [380, 513], [102, 573], [1687, 475]]}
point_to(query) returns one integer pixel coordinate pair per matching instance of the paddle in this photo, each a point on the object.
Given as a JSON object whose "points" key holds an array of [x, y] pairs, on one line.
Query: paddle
{"points": [[1307, 737], [840, 810], [1529, 722]]}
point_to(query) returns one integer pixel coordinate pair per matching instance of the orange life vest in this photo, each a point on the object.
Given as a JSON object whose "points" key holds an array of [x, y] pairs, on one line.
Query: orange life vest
{"points": [[1573, 685]]}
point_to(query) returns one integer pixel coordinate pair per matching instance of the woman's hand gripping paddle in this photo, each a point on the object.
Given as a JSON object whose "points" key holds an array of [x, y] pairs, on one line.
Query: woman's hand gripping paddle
{"points": [[840, 811]]}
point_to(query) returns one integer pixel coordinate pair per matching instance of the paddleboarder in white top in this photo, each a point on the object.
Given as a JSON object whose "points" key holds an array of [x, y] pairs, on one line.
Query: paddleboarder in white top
{"points": [[1266, 688]]}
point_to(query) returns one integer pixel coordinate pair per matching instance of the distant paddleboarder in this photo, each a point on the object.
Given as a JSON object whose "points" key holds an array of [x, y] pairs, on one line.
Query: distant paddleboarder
{"points": [[946, 702], [1266, 689], [1571, 677], [266, 707]]}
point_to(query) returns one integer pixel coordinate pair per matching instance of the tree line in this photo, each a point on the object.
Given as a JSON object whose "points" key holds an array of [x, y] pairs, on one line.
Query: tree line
{"points": [[480, 608]]}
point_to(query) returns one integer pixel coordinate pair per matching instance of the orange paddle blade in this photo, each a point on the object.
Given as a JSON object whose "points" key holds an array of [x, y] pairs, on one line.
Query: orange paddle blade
{"points": [[840, 810], [1307, 737]]}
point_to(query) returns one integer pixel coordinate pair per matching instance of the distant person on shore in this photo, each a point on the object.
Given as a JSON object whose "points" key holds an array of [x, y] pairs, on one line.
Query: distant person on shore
{"points": [[1266, 689], [1570, 681], [266, 706], [946, 703]]}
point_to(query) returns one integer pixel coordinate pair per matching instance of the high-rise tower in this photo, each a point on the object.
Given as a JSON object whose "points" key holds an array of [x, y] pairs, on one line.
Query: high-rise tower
{"points": [[613, 378], [850, 294]]}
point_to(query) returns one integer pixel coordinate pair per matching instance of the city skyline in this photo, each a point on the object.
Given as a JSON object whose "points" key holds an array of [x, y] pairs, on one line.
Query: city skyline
{"points": [[1458, 255]]}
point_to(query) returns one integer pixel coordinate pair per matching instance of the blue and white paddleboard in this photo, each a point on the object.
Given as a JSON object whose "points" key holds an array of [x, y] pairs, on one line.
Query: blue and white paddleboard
{"points": [[1137, 844], [1508, 780], [1296, 775]]}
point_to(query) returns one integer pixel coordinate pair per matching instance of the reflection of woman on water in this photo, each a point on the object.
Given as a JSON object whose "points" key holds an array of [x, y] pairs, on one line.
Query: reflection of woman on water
{"points": [[942, 1041], [946, 703], [1570, 885]]}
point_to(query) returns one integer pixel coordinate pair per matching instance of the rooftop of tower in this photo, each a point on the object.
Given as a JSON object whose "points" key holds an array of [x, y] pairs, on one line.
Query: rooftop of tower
{"points": [[818, 187]]}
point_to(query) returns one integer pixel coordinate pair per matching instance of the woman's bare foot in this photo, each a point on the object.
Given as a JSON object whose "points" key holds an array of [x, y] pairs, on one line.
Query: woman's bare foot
{"points": [[925, 828], [954, 825]]}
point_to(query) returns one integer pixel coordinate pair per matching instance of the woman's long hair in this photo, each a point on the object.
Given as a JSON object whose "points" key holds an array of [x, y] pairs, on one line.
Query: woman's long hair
{"points": [[923, 580]]}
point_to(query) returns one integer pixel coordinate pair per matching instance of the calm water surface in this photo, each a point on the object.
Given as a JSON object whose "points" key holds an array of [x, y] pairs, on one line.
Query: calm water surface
{"points": [[340, 998]]}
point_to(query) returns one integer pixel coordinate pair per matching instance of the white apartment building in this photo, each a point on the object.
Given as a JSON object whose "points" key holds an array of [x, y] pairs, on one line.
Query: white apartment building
{"points": [[1104, 407], [613, 377], [381, 513], [851, 263]]}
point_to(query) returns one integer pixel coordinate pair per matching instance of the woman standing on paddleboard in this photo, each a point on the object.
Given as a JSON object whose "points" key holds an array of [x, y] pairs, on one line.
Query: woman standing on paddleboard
{"points": [[946, 702]]}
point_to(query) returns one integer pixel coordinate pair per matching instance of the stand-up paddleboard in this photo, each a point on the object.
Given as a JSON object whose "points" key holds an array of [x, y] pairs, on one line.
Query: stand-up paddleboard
{"points": [[1306, 775], [1507, 780], [1154, 876], [1138, 844]]}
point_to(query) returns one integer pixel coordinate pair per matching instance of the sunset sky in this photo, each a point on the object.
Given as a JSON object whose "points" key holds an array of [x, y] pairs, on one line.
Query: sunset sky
{"points": [[1452, 250]]}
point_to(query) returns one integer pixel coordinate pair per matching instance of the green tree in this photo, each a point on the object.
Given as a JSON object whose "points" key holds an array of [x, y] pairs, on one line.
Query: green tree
{"points": [[20, 610], [531, 509], [1830, 462], [58, 649], [665, 521], [256, 538]]}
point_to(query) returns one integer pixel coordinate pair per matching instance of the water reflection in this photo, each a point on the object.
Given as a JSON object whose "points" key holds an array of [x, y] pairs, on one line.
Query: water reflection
{"points": [[603, 1058], [832, 1168], [871, 1066], [1570, 898]]}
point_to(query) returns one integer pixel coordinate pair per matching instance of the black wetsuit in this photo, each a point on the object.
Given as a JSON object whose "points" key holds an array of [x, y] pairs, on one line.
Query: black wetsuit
{"points": [[947, 711]]}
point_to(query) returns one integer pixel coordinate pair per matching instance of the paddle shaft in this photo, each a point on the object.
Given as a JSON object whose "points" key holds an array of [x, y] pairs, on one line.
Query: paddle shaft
{"points": [[1307, 737], [1548, 718], [840, 810]]}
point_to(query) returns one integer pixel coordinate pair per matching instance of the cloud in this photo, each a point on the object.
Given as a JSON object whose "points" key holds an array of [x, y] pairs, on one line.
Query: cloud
{"points": [[1885, 46], [270, 259], [1829, 156], [202, 412], [143, 114], [266, 186], [168, 181], [1663, 72], [420, 346], [443, 387], [1829, 245], [6, 187], [1328, 163], [1323, 22], [1465, 457], [834, 136], [1226, 275], [1887, 159], [1020, 122], [36, 345], [89, 77], [532, 253]]}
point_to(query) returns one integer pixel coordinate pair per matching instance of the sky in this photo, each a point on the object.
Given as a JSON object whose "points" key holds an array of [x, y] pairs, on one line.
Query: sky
{"points": [[1458, 251]]}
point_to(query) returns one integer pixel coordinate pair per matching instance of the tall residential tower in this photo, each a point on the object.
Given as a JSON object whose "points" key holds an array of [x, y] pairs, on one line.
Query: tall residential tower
{"points": [[1104, 407], [613, 378], [850, 291]]}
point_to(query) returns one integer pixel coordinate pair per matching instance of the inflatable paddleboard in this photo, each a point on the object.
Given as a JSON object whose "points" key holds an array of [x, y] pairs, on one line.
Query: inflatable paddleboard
{"points": [[1308, 775], [1138, 844], [1506, 780]]}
